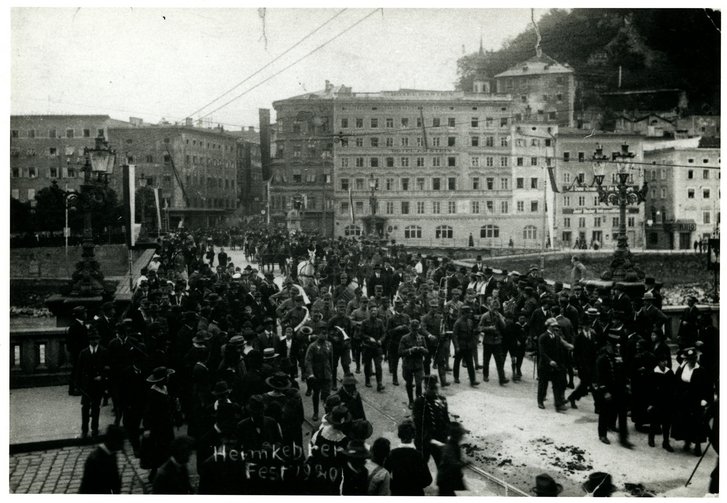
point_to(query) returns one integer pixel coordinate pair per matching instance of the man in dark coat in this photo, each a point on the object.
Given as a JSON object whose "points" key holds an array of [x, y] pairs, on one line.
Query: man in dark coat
{"points": [[689, 326], [76, 340], [409, 472], [413, 349], [431, 420], [351, 398], [101, 471], [464, 338], [372, 335], [398, 325], [173, 476], [93, 370], [106, 324], [611, 390], [585, 350], [552, 359], [340, 344]]}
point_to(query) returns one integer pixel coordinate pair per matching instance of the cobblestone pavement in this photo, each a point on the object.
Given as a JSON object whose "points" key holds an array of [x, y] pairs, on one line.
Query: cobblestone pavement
{"points": [[59, 471]]}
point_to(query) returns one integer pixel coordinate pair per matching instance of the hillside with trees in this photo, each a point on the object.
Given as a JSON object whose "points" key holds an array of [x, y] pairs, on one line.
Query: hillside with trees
{"points": [[655, 48]]}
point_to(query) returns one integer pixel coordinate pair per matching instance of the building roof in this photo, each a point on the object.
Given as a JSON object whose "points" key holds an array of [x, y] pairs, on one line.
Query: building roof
{"points": [[537, 65], [585, 133]]}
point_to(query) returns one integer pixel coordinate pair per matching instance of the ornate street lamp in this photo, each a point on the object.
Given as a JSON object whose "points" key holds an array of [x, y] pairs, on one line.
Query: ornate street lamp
{"points": [[87, 279], [622, 195]]}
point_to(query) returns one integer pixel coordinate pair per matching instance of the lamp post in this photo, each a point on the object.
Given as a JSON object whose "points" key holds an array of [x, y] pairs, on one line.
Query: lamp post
{"points": [[87, 280], [373, 204], [623, 195]]}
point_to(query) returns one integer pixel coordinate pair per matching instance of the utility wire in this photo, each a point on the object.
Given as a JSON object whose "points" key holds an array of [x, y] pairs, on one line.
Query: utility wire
{"points": [[269, 63], [293, 63]]}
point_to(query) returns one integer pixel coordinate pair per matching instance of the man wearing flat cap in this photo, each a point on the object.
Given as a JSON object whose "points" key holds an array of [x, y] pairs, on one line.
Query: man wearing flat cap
{"points": [[465, 338], [552, 360], [610, 384]]}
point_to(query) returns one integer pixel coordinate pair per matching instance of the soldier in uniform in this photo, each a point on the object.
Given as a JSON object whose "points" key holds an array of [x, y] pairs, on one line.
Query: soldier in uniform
{"points": [[397, 327], [431, 420], [413, 349], [552, 355], [464, 337], [318, 370], [372, 334], [341, 345]]}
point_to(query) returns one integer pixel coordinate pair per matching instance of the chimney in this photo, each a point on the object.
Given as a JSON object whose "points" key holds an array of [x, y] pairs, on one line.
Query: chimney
{"points": [[188, 122], [329, 86]]}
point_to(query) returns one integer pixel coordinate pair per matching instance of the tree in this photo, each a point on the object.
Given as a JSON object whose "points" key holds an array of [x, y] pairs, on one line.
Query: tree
{"points": [[21, 218], [50, 208]]}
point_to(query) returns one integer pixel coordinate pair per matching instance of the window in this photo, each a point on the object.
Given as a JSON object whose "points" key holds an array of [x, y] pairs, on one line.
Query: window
{"points": [[52, 151], [490, 206], [53, 173], [352, 230], [16, 173], [389, 141], [534, 142], [503, 162], [489, 141], [359, 123], [389, 183], [475, 122], [374, 142], [475, 207], [69, 133], [597, 222], [404, 141], [489, 121], [419, 122], [548, 140], [374, 123], [359, 162], [566, 156], [71, 173], [705, 174], [420, 207], [581, 156], [420, 183], [519, 183], [15, 133], [405, 207], [297, 178], [15, 193], [359, 142], [420, 141], [451, 141], [490, 184], [443, 232], [359, 184], [690, 174], [389, 207], [533, 161], [475, 162], [451, 161], [404, 122], [503, 121], [344, 184], [533, 206], [662, 174], [436, 184], [504, 207], [374, 162], [489, 161], [533, 183], [435, 141], [663, 192], [475, 141], [51, 133], [581, 200], [451, 183], [451, 122], [489, 231], [705, 193], [504, 141], [436, 122], [614, 221], [690, 193], [31, 195], [389, 162], [504, 183], [344, 162], [344, 123], [631, 221], [706, 216], [389, 122], [530, 232], [32, 173], [520, 205], [412, 232], [452, 207], [405, 183], [476, 183], [404, 162], [436, 207], [519, 161], [566, 222]]}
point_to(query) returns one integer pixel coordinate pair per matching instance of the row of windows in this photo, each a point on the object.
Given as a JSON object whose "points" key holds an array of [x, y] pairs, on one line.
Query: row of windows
{"points": [[390, 122], [545, 97], [212, 146], [53, 133], [203, 161], [434, 141], [691, 193], [210, 182], [447, 232], [420, 162], [437, 207], [52, 172], [597, 222], [300, 178], [524, 82], [420, 183]]}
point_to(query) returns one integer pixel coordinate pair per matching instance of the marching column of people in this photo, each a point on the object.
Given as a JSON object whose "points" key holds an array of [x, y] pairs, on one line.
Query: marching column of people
{"points": [[221, 350]]}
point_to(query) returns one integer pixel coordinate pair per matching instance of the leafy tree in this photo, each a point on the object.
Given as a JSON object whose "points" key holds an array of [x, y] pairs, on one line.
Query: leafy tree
{"points": [[21, 218]]}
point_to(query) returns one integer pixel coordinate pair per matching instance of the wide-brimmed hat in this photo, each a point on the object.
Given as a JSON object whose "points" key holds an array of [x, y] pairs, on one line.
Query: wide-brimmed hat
{"points": [[614, 334], [236, 340], [551, 322], [306, 330], [349, 380], [592, 311], [648, 296], [360, 429], [279, 381], [159, 374], [202, 337], [248, 334], [546, 486], [221, 388], [269, 354], [256, 404], [356, 449], [338, 416], [599, 484]]}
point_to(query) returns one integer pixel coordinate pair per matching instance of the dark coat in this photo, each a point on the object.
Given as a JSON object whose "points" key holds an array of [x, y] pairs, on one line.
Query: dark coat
{"points": [[409, 473], [688, 409], [353, 403], [585, 351], [91, 367], [100, 473], [76, 339], [551, 349], [252, 434], [159, 421], [172, 478], [464, 336]]}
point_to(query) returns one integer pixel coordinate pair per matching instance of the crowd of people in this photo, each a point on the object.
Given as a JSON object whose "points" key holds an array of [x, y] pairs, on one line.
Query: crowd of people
{"points": [[232, 354]]}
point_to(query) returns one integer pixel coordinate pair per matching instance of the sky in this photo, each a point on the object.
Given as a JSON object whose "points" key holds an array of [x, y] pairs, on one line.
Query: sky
{"points": [[170, 62]]}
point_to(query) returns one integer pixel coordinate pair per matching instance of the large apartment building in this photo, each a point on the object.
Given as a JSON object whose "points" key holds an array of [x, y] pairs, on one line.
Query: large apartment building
{"points": [[44, 148]]}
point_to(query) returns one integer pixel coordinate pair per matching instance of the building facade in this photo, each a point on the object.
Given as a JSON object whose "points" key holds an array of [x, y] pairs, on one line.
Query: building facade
{"points": [[542, 90], [684, 196], [301, 186], [249, 174], [44, 148], [196, 170], [581, 218]]}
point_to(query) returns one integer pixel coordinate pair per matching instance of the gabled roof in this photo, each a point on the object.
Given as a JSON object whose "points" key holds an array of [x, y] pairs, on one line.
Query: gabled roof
{"points": [[537, 65]]}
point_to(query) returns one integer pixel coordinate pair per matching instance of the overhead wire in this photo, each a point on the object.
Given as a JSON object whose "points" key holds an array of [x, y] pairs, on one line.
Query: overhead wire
{"points": [[293, 63], [270, 62]]}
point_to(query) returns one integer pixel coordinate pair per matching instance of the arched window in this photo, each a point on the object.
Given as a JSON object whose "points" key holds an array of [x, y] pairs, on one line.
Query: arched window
{"points": [[530, 232], [443, 232], [412, 232], [352, 230], [489, 231]]}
